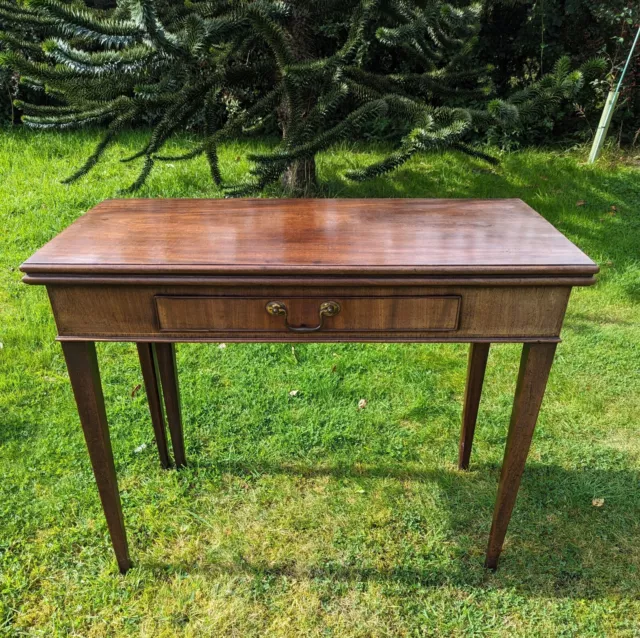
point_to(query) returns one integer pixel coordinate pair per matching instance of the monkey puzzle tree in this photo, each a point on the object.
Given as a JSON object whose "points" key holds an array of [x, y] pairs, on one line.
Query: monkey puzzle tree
{"points": [[325, 69]]}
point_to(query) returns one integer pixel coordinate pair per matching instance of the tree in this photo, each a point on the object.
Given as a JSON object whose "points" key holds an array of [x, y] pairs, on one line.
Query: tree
{"points": [[528, 37], [324, 69], [8, 77]]}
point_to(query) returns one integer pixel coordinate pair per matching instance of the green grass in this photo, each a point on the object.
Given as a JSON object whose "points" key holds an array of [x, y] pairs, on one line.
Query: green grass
{"points": [[304, 516]]}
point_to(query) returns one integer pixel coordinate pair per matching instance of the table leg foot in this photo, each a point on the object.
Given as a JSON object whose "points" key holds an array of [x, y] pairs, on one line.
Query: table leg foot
{"points": [[478, 354], [535, 366], [166, 356], [82, 364], [149, 365]]}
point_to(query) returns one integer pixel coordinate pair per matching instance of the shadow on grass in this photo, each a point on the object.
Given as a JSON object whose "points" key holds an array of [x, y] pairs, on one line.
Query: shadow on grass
{"points": [[559, 545], [586, 322]]}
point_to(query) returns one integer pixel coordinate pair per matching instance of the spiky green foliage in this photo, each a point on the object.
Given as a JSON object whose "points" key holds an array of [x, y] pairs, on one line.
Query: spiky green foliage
{"points": [[19, 39], [407, 61], [540, 105]]}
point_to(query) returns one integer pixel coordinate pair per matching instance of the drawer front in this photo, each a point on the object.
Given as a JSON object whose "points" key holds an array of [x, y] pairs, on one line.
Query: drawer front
{"points": [[308, 314], [367, 314]]}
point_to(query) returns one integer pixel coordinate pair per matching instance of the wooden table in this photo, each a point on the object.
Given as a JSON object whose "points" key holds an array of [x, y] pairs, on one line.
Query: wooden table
{"points": [[157, 272]]}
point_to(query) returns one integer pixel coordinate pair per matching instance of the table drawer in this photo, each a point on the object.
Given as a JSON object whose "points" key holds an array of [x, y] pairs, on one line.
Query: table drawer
{"points": [[177, 313], [367, 313]]}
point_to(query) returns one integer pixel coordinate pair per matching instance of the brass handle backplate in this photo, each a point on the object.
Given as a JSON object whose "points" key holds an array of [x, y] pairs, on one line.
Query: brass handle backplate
{"points": [[327, 309]]}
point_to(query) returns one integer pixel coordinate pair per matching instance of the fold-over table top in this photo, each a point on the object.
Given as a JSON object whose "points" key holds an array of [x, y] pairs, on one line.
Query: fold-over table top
{"points": [[311, 237]]}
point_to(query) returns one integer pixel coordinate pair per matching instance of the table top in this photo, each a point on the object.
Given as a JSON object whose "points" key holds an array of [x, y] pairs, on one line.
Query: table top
{"points": [[311, 236]]}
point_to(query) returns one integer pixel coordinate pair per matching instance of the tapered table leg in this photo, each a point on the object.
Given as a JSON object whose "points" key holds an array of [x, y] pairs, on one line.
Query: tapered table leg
{"points": [[149, 365], [166, 354], [535, 365], [82, 364], [478, 353]]}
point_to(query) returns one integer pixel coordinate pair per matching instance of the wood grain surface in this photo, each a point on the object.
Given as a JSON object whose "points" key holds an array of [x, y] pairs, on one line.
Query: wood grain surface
{"points": [[163, 271], [224, 313], [311, 236], [131, 313]]}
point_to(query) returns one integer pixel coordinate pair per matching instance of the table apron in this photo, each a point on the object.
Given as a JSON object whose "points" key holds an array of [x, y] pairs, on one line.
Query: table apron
{"points": [[366, 314]]}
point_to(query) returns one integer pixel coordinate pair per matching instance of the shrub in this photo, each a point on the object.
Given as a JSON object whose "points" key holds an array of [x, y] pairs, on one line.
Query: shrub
{"points": [[323, 70]]}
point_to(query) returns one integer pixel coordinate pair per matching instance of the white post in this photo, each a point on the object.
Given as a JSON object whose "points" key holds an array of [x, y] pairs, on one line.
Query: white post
{"points": [[603, 127]]}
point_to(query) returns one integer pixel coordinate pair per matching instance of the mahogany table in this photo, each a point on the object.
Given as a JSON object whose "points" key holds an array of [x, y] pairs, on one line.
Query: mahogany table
{"points": [[157, 272]]}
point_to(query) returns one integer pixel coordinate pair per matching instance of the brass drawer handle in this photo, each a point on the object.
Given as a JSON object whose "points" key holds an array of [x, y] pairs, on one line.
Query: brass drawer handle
{"points": [[327, 309]]}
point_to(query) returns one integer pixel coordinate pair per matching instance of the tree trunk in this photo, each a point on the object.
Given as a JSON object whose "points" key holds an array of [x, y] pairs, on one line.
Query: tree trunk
{"points": [[300, 178]]}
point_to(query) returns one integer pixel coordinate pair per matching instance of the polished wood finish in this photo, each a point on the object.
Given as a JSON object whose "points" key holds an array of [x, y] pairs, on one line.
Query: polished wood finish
{"points": [[356, 314], [166, 354], [157, 272], [478, 354], [307, 236], [149, 366], [45, 279], [535, 365], [82, 364], [502, 312]]}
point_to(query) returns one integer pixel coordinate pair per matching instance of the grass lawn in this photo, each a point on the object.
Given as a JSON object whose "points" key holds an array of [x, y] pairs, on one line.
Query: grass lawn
{"points": [[302, 515]]}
